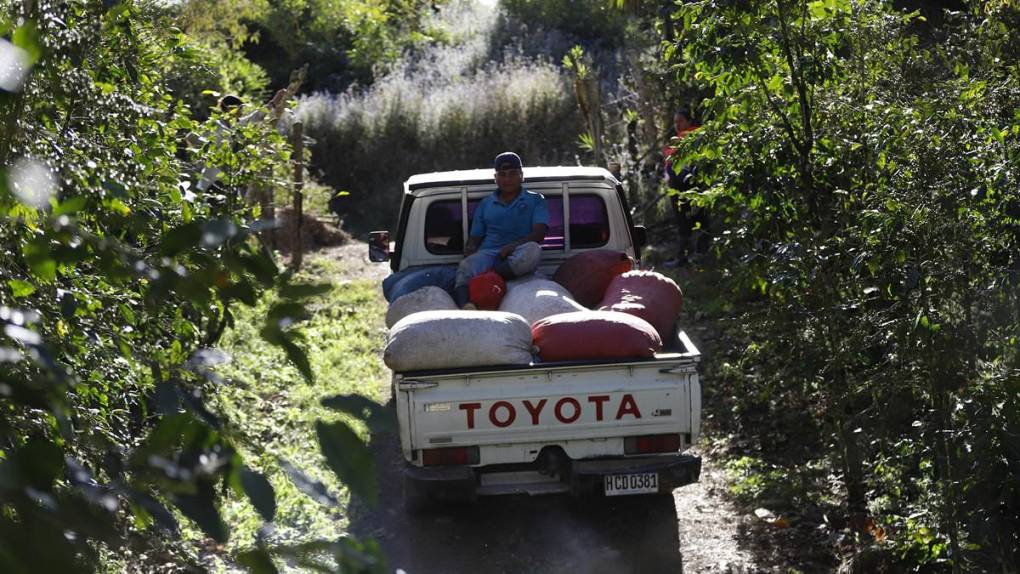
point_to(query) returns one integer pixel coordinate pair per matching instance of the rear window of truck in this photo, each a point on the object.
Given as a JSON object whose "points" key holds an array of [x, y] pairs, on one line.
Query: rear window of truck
{"points": [[589, 224]]}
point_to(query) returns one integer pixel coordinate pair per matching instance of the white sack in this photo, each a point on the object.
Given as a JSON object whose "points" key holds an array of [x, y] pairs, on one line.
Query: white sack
{"points": [[525, 279], [425, 299], [452, 339], [538, 299]]}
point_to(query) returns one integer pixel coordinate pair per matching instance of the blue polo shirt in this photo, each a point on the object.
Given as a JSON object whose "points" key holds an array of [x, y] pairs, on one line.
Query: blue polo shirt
{"points": [[501, 224]]}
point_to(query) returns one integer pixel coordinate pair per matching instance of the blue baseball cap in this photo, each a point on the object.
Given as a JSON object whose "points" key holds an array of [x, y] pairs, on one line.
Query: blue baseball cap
{"points": [[507, 160]]}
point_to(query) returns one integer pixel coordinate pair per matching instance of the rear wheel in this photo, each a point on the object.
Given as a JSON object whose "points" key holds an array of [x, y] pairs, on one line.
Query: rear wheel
{"points": [[416, 497]]}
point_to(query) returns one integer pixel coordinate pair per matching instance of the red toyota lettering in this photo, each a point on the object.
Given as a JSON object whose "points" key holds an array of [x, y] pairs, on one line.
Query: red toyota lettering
{"points": [[470, 408], [628, 407], [559, 410], [535, 410], [510, 416], [599, 400]]}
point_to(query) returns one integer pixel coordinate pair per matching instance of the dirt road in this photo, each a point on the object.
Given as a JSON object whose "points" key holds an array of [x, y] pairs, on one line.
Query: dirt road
{"points": [[692, 530]]}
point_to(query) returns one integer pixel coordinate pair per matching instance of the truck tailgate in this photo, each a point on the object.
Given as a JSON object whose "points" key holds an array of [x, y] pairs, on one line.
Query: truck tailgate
{"points": [[552, 404]]}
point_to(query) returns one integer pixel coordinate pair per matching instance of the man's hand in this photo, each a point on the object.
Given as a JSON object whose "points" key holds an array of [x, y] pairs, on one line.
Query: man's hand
{"points": [[471, 245], [506, 251]]}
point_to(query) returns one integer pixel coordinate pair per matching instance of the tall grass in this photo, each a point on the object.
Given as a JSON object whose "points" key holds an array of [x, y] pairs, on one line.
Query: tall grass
{"points": [[448, 107]]}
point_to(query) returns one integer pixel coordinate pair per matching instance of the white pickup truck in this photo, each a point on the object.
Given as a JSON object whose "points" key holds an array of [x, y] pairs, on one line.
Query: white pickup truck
{"points": [[599, 427]]}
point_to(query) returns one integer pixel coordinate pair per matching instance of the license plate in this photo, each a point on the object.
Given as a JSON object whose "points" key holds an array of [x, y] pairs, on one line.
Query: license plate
{"points": [[637, 483]]}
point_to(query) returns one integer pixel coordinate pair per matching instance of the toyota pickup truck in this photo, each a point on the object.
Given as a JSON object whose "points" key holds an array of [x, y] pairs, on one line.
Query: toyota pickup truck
{"points": [[586, 428]]}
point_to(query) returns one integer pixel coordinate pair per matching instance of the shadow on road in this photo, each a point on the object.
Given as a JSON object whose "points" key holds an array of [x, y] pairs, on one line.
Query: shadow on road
{"points": [[519, 533]]}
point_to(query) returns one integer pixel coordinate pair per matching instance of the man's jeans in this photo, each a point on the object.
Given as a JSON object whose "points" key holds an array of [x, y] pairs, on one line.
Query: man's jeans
{"points": [[521, 261]]}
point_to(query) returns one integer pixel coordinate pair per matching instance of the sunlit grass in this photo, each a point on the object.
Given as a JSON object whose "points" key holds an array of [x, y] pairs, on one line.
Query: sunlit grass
{"points": [[275, 409]]}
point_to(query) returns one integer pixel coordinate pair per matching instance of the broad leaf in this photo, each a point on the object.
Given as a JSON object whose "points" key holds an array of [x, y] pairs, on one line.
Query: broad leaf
{"points": [[260, 493], [201, 508], [257, 561], [378, 417], [181, 238], [20, 288], [348, 457], [308, 485]]}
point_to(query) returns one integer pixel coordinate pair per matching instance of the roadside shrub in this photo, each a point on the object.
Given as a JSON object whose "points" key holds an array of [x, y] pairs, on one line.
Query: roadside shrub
{"points": [[877, 228], [122, 263]]}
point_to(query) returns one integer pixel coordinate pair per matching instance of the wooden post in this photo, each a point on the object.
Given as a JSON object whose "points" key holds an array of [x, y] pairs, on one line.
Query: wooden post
{"points": [[267, 206], [297, 254]]}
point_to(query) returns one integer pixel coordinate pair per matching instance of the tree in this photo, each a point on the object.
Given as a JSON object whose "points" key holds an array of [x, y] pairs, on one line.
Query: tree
{"points": [[117, 277], [871, 221]]}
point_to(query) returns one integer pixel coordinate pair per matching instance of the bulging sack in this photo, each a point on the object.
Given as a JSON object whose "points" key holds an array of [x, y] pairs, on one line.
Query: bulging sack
{"points": [[594, 335], [424, 299], [537, 299], [453, 339], [646, 294], [586, 275], [487, 290]]}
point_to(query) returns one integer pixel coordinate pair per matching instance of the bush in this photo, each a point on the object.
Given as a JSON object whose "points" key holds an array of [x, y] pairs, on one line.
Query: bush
{"points": [[119, 273], [876, 226]]}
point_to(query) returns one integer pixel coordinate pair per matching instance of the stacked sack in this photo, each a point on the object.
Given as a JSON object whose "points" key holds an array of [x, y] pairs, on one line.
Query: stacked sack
{"points": [[635, 311], [586, 275], [427, 331], [538, 298], [645, 294], [455, 339], [633, 314], [585, 335]]}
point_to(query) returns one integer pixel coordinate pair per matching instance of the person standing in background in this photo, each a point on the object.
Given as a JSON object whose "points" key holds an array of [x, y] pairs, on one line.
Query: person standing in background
{"points": [[691, 220]]}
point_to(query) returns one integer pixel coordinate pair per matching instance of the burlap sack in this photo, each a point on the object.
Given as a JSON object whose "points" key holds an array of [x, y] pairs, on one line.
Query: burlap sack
{"points": [[424, 299], [537, 299], [586, 335], [646, 294], [454, 339]]}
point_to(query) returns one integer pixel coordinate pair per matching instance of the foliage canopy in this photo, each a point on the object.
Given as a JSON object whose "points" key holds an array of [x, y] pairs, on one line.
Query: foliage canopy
{"points": [[863, 177]]}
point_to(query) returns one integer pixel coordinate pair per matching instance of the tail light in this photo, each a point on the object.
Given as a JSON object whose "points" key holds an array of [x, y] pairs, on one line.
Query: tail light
{"points": [[456, 456], [651, 443]]}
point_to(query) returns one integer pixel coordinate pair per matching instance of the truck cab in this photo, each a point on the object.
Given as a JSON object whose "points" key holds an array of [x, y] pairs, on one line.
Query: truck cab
{"points": [[598, 427]]}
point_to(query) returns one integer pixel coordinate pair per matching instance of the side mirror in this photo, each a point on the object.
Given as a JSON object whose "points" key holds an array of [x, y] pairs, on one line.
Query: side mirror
{"points": [[640, 236], [379, 246]]}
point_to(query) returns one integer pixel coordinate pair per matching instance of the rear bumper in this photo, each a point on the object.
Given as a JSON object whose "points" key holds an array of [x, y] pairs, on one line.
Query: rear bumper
{"points": [[581, 478]]}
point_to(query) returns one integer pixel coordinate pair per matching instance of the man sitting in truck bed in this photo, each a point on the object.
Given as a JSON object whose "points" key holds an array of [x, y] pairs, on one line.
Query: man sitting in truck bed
{"points": [[507, 230]]}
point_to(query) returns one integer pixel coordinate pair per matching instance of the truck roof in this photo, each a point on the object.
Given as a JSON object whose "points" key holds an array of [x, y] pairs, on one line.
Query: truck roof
{"points": [[476, 176]]}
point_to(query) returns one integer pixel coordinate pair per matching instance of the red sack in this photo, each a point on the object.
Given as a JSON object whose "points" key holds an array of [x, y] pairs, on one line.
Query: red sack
{"points": [[594, 335], [586, 275], [646, 294], [486, 291]]}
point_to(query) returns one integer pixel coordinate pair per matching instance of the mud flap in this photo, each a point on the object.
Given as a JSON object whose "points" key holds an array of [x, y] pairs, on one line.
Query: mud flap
{"points": [[426, 486]]}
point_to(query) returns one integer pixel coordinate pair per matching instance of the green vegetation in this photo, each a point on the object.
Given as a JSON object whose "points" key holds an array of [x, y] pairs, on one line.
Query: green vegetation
{"points": [[446, 107], [586, 21], [859, 163], [858, 166], [129, 244], [249, 44], [272, 406]]}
